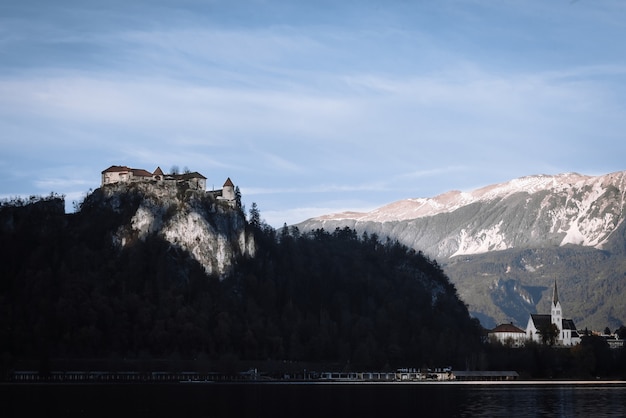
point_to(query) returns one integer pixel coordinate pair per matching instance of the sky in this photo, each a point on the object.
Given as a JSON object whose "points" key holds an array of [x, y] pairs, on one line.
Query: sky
{"points": [[310, 107]]}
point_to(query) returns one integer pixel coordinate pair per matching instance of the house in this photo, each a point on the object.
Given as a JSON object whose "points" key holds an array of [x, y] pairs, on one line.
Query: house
{"points": [[566, 335], [508, 334]]}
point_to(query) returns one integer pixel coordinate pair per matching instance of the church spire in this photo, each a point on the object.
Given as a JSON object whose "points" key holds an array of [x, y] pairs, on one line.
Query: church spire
{"points": [[555, 295]]}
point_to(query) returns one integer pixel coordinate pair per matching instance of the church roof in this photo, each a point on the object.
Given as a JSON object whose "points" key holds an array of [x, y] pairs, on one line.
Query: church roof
{"points": [[541, 320], [569, 324], [228, 183], [507, 328], [555, 295], [158, 172]]}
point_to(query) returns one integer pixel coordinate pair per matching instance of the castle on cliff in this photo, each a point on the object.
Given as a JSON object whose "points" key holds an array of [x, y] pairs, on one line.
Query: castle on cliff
{"points": [[190, 180]]}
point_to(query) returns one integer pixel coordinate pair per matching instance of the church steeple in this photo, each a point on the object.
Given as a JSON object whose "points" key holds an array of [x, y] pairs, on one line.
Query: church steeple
{"points": [[556, 313], [555, 295]]}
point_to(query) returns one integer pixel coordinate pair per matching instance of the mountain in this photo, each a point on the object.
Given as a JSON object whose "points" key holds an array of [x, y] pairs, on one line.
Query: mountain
{"points": [[503, 245], [146, 272]]}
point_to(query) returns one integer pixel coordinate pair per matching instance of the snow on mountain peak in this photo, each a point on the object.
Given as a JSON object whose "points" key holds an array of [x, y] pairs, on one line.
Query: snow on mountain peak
{"points": [[450, 201]]}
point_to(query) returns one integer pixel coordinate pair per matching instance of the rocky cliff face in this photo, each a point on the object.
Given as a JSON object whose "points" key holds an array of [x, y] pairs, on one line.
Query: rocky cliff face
{"points": [[482, 238], [213, 232]]}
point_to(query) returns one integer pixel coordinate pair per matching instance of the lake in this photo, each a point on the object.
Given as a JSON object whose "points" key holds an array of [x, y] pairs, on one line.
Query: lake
{"points": [[314, 400]]}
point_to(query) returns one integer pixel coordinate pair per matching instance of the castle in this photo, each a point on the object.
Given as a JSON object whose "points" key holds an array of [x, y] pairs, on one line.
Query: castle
{"points": [[193, 181]]}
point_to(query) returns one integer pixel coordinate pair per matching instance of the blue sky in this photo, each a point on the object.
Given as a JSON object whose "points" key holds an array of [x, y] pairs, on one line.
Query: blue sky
{"points": [[311, 107]]}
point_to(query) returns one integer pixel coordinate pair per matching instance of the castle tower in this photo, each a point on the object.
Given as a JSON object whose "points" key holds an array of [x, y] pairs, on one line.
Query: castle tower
{"points": [[228, 190], [158, 174], [556, 313]]}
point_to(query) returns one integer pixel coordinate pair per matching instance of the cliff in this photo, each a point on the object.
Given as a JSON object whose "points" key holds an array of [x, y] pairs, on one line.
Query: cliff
{"points": [[212, 231]]}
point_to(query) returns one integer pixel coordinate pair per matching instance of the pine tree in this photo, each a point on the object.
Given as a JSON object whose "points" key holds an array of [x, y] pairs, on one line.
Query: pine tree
{"points": [[255, 215]]}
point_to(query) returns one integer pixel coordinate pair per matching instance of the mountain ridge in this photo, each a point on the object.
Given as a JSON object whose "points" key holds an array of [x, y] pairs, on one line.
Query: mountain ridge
{"points": [[566, 183], [470, 232]]}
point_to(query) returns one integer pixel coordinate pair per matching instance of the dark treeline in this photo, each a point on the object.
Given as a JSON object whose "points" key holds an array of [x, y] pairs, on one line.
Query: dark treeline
{"points": [[339, 297], [332, 298], [591, 359], [71, 298]]}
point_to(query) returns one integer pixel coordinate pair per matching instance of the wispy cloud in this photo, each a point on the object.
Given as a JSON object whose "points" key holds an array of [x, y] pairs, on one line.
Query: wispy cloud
{"points": [[421, 174], [301, 102], [318, 188]]}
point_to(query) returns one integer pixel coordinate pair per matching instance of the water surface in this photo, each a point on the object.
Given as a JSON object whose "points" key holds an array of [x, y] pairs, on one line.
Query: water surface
{"points": [[314, 400]]}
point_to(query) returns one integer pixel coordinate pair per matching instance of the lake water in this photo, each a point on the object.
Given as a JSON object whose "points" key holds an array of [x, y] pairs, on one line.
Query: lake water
{"points": [[314, 400]]}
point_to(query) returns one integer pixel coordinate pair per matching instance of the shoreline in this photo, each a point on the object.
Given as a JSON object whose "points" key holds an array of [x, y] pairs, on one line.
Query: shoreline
{"points": [[539, 382]]}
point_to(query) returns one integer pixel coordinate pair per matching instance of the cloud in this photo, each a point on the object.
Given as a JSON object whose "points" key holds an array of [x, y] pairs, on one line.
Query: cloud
{"points": [[61, 184], [438, 171], [338, 101], [317, 188]]}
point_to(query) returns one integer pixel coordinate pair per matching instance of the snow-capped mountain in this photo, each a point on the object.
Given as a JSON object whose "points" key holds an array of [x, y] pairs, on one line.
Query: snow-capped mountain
{"points": [[504, 242], [537, 210]]}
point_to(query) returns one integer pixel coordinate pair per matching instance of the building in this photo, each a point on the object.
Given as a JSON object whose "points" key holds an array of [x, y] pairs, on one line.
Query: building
{"points": [[566, 335], [123, 174], [508, 334], [485, 375], [188, 181], [228, 190]]}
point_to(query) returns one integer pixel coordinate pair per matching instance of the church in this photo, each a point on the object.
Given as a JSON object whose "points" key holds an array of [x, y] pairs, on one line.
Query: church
{"points": [[567, 333]]}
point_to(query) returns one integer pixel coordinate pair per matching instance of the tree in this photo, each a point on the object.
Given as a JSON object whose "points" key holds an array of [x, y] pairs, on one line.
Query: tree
{"points": [[175, 169], [237, 196], [596, 353], [549, 334], [255, 215]]}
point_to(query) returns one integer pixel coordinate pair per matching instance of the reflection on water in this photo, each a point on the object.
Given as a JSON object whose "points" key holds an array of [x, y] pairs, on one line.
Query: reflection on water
{"points": [[314, 400], [545, 401]]}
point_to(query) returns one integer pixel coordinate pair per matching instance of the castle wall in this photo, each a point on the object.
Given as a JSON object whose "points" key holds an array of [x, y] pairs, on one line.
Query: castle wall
{"points": [[116, 177], [194, 181]]}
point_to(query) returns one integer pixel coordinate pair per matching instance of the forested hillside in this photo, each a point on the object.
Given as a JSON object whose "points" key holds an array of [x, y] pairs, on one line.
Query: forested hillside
{"points": [[503, 245], [68, 291]]}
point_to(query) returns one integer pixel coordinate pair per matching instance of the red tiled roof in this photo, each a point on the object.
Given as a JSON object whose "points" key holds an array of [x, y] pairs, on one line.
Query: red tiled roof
{"points": [[508, 328], [229, 183], [140, 172], [116, 169]]}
